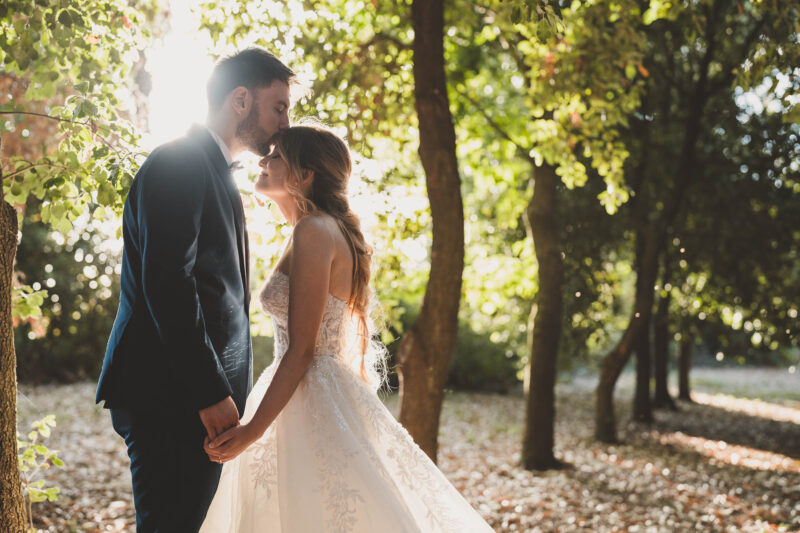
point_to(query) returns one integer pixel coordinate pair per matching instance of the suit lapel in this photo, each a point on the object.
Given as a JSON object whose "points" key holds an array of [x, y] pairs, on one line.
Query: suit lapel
{"points": [[224, 174]]}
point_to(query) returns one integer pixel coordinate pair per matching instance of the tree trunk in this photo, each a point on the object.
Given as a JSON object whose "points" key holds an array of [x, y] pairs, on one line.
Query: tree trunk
{"points": [[642, 403], [12, 504], [647, 271], [425, 351], [544, 326], [684, 365], [661, 348], [614, 362]]}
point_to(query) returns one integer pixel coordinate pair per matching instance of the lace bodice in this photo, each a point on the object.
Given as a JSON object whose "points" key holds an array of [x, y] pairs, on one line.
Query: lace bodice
{"points": [[334, 460], [274, 299]]}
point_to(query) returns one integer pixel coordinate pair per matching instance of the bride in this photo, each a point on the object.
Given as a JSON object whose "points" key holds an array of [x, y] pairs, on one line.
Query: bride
{"points": [[316, 450]]}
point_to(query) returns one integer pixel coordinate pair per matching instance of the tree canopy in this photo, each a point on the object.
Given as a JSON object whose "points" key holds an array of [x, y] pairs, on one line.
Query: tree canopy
{"points": [[667, 133]]}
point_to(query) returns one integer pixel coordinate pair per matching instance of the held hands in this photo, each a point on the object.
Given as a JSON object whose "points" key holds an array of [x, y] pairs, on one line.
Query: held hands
{"points": [[231, 443], [219, 417]]}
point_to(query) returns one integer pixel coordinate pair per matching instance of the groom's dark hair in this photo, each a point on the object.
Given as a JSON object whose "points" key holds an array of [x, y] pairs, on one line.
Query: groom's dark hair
{"points": [[251, 68]]}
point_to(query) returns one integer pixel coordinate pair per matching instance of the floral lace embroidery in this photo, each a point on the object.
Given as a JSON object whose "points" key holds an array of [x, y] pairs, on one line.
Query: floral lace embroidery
{"points": [[275, 301], [264, 451], [265, 463], [328, 377], [410, 462], [341, 500]]}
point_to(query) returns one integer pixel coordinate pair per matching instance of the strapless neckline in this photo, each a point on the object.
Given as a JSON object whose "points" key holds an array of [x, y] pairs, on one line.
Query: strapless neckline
{"points": [[285, 276], [333, 329]]}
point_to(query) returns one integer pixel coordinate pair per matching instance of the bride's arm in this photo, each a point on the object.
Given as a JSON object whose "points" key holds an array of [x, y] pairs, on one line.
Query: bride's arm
{"points": [[309, 279], [311, 259]]}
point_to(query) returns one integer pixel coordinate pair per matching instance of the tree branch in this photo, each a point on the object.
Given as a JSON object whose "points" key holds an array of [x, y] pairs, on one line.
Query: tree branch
{"points": [[383, 36], [523, 151], [699, 97], [33, 165], [44, 115], [121, 152], [673, 78]]}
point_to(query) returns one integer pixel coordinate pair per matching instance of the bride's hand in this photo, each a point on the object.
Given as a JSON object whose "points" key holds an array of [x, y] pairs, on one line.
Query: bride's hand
{"points": [[227, 445]]}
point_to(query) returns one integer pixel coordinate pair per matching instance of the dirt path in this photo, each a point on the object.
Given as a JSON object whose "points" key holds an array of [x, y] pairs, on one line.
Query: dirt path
{"points": [[723, 464]]}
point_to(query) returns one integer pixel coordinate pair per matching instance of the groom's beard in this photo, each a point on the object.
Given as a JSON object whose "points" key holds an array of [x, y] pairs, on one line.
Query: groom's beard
{"points": [[251, 134]]}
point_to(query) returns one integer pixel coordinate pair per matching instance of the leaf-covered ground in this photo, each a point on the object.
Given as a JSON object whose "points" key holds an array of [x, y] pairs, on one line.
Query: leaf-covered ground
{"points": [[730, 462]]}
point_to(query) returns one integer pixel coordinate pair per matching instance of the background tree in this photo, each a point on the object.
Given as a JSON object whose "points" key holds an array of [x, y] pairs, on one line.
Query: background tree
{"points": [[736, 247], [661, 337], [553, 130], [699, 54], [425, 350], [80, 274], [54, 47], [573, 112]]}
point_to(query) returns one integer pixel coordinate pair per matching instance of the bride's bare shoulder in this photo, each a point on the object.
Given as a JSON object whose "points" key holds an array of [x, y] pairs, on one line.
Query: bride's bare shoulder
{"points": [[314, 233], [316, 223]]}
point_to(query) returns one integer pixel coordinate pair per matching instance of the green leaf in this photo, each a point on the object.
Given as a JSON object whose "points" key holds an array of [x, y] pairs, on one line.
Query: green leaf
{"points": [[64, 18], [106, 194], [516, 14], [90, 108], [78, 112], [58, 181], [36, 496], [57, 212], [64, 226]]}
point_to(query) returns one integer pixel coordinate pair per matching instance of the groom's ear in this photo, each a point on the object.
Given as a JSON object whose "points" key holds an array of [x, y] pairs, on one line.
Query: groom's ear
{"points": [[240, 100]]}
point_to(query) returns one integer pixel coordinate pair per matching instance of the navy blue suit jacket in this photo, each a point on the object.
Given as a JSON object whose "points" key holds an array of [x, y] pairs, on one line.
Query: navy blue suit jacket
{"points": [[181, 338]]}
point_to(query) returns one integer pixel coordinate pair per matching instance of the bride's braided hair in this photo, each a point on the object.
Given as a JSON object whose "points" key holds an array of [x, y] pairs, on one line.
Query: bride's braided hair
{"points": [[315, 148]]}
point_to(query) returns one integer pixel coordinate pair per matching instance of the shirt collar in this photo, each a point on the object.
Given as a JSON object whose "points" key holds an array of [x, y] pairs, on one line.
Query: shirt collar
{"points": [[222, 146]]}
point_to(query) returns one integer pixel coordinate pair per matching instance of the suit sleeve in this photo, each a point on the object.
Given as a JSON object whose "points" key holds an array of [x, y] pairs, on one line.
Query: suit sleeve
{"points": [[172, 195]]}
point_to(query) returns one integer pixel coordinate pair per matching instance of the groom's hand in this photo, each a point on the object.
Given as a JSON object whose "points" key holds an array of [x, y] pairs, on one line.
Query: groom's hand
{"points": [[219, 417]]}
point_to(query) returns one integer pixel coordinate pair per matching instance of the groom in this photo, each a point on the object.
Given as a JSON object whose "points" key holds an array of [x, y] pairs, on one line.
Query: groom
{"points": [[178, 362]]}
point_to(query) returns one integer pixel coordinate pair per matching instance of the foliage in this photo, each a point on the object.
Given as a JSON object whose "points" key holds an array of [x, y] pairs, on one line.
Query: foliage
{"points": [[557, 83], [87, 46], [262, 353], [482, 364], [482, 361], [356, 56], [34, 459], [732, 250], [523, 100], [746, 207], [598, 275], [541, 11], [81, 273], [71, 56], [27, 303]]}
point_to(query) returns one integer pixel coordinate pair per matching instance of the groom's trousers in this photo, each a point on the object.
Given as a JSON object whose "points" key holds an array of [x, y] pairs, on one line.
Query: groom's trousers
{"points": [[173, 479]]}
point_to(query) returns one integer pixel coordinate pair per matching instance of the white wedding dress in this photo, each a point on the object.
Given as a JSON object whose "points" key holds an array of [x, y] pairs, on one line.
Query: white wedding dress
{"points": [[335, 459]]}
